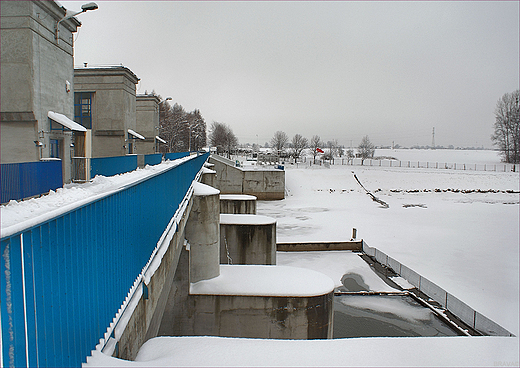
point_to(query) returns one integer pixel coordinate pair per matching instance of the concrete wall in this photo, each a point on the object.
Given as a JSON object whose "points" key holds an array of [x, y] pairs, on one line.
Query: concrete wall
{"points": [[147, 123], [264, 184], [259, 316], [354, 245], [113, 108], [34, 73]]}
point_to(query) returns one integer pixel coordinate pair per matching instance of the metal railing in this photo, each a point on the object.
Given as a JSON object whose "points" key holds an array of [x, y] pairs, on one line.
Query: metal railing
{"points": [[63, 280], [447, 301], [501, 167]]}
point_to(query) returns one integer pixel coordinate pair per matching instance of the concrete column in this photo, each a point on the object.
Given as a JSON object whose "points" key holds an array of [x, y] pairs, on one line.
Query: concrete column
{"points": [[247, 239], [203, 233], [238, 204], [208, 176]]}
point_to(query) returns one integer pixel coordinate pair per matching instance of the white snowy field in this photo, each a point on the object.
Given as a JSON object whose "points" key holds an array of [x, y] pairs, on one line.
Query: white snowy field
{"points": [[437, 223]]}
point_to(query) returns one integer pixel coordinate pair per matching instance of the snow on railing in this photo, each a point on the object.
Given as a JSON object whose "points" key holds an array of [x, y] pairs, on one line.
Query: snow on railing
{"points": [[447, 301]]}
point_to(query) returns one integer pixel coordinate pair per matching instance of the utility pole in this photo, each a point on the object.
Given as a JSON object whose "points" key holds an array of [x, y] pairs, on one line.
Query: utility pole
{"points": [[433, 138]]}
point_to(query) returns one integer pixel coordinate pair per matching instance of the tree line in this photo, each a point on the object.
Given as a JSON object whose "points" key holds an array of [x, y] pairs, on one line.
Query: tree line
{"points": [[280, 142], [186, 131]]}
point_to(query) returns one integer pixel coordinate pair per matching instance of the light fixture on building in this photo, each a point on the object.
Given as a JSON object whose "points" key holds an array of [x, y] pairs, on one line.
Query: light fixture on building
{"points": [[38, 144], [70, 14]]}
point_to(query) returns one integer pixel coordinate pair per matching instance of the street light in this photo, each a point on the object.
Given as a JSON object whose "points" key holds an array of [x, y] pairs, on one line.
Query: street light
{"points": [[70, 14]]}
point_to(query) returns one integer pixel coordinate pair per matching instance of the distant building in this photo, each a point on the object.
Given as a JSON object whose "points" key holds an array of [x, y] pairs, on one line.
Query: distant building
{"points": [[37, 99], [105, 104]]}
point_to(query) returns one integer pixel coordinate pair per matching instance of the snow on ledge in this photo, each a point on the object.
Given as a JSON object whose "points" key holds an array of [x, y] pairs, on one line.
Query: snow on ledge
{"points": [[259, 280], [237, 197], [205, 170], [234, 219], [200, 189]]}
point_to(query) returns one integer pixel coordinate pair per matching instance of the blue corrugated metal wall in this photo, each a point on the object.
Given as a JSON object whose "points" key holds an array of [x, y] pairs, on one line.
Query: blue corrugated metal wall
{"points": [[153, 159], [27, 179], [63, 281], [109, 166], [175, 155]]}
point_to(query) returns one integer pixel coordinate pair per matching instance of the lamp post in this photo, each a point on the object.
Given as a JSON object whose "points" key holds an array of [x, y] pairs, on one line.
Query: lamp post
{"points": [[70, 14]]}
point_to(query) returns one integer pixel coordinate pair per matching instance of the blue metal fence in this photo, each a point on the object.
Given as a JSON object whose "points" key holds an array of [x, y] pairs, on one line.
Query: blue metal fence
{"points": [[175, 155], [109, 166], [153, 159], [63, 280], [27, 179]]}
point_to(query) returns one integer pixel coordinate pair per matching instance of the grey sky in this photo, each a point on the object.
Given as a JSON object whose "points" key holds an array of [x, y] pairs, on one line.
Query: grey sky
{"points": [[342, 70]]}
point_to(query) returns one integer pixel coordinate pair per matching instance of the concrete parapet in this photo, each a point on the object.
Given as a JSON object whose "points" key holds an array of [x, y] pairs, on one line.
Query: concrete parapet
{"points": [[203, 233], [247, 239], [238, 204], [277, 302]]}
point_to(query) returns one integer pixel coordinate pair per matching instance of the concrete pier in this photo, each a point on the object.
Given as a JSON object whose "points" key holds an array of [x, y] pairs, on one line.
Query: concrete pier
{"points": [[275, 302], [208, 176], [247, 239], [238, 204], [203, 233]]}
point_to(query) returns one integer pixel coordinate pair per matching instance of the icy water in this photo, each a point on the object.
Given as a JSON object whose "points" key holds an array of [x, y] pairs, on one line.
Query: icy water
{"points": [[385, 315]]}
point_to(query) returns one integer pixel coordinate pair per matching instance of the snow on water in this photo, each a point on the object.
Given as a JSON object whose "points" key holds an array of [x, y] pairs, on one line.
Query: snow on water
{"points": [[335, 264], [465, 242]]}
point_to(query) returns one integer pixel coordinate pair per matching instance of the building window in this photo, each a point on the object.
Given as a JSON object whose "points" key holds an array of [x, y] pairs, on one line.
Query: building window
{"points": [[83, 108], [55, 148]]}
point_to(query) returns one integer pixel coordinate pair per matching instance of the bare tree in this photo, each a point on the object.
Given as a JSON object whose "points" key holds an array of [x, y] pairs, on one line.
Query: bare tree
{"points": [[222, 137], [350, 155], [279, 141], [299, 143], [315, 144], [333, 149], [366, 149], [173, 127], [506, 135]]}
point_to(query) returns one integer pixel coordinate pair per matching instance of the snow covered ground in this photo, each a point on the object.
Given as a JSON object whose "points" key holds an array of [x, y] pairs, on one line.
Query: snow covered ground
{"points": [[437, 223]]}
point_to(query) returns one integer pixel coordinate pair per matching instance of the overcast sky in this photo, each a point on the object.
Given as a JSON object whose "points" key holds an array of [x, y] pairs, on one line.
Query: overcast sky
{"points": [[341, 70]]}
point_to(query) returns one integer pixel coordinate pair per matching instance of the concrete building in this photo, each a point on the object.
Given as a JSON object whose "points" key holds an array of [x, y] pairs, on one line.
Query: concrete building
{"points": [[147, 123], [37, 98], [105, 104]]}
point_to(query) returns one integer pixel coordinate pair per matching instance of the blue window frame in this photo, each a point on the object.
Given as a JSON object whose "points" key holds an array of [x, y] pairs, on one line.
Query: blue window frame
{"points": [[57, 126], [83, 108], [55, 148]]}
